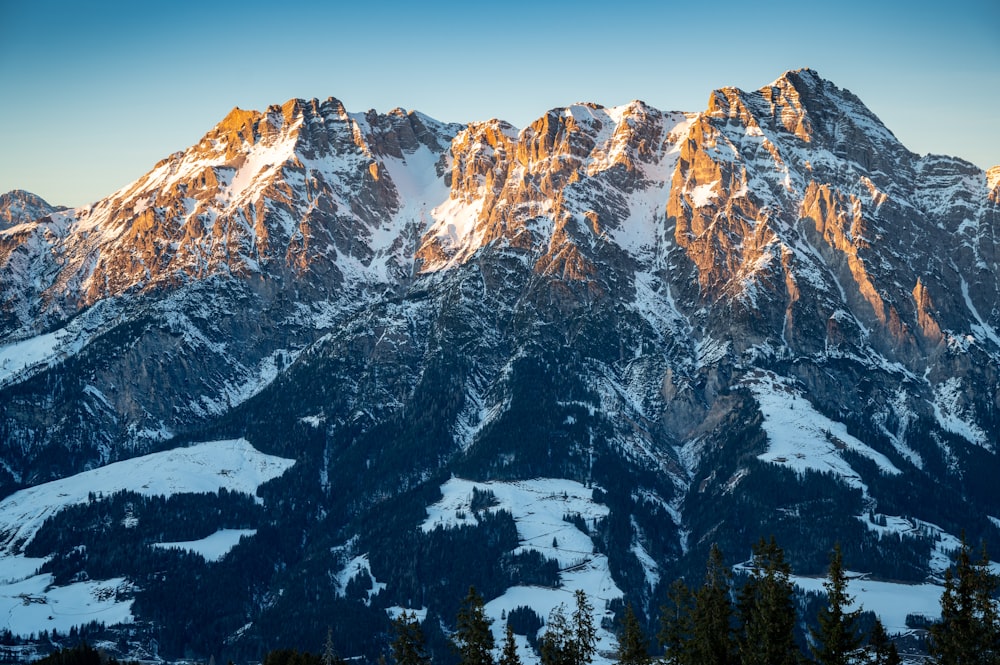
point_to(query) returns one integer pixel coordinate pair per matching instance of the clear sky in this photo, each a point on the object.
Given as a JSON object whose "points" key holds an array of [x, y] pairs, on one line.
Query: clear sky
{"points": [[93, 94]]}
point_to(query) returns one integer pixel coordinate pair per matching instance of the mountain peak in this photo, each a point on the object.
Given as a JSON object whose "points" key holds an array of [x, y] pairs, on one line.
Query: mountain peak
{"points": [[19, 206], [20, 195], [237, 119], [804, 77]]}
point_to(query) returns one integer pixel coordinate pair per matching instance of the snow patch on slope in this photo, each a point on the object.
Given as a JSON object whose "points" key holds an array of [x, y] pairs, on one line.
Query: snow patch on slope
{"points": [[214, 547], [420, 190], [359, 565], [904, 416], [205, 467], [803, 439], [644, 228], [19, 356], [538, 507], [27, 599], [981, 329], [249, 383], [891, 601], [943, 544], [22, 359], [952, 416], [32, 605], [455, 222], [262, 162], [703, 195]]}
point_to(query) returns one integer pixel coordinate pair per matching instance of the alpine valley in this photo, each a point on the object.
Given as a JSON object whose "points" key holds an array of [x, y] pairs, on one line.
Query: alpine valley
{"points": [[323, 366]]}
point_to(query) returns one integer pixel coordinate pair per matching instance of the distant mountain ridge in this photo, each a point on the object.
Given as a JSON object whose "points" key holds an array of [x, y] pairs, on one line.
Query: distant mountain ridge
{"points": [[20, 207], [768, 317]]}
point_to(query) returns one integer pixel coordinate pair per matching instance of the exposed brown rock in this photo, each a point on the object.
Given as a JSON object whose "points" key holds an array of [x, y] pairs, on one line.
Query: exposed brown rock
{"points": [[925, 313], [993, 179]]}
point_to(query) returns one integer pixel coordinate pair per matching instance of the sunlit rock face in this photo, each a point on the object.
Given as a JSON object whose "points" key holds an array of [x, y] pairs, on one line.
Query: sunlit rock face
{"points": [[787, 221]]}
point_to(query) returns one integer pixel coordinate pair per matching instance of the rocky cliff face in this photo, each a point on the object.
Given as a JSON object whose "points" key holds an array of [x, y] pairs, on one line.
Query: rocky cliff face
{"points": [[214, 264], [283, 193], [767, 317]]}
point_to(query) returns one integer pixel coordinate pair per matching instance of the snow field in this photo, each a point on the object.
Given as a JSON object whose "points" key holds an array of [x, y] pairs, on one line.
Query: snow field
{"points": [[360, 565], [213, 547], [32, 605], [262, 160], [537, 507], [23, 358], [455, 224], [802, 439], [703, 195], [19, 356], [206, 467], [28, 601], [953, 417], [891, 601]]}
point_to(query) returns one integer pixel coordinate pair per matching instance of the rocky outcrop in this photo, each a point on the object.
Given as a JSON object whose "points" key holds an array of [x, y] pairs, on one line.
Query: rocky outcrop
{"points": [[786, 218], [21, 207], [282, 192]]}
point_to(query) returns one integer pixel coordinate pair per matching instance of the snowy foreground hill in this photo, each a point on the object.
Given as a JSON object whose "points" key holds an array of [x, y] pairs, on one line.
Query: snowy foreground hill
{"points": [[30, 600], [565, 357]]}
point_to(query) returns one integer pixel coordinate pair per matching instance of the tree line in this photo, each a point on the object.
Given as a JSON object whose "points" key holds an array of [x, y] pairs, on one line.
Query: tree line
{"points": [[718, 624]]}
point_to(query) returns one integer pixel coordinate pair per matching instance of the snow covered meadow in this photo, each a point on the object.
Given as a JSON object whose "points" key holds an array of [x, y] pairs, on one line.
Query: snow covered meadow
{"points": [[538, 507], [29, 603]]}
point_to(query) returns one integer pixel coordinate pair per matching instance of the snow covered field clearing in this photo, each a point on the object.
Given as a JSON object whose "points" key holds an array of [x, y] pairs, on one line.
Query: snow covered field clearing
{"points": [[28, 602], [204, 467], [538, 507], [213, 547], [802, 439], [30, 606], [891, 601]]}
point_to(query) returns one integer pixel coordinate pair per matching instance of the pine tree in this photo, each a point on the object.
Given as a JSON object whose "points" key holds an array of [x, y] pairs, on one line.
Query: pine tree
{"points": [[570, 642], [408, 646], [712, 640], [676, 624], [330, 656], [584, 632], [473, 637], [633, 647], [837, 637], [881, 650], [509, 654], [766, 609], [556, 642], [968, 632]]}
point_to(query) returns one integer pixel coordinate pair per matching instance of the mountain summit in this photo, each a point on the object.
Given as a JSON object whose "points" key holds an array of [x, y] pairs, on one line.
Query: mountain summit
{"points": [[768, 317], [19, 206]]}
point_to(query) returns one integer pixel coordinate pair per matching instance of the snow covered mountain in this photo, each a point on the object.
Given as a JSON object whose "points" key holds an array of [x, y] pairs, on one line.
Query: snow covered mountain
{"points": [[19, 207], [769, 317]]}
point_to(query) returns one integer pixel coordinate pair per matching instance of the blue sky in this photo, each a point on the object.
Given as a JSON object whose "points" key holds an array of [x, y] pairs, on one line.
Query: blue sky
{"points": [[95, 93]]}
